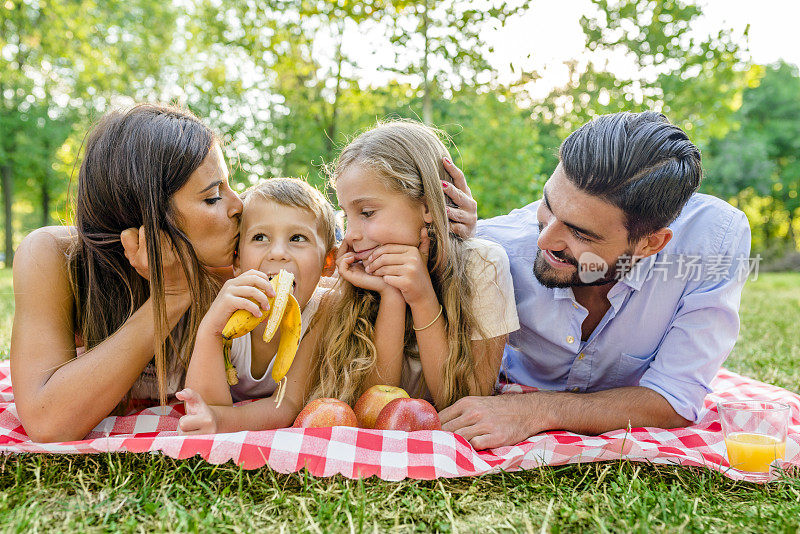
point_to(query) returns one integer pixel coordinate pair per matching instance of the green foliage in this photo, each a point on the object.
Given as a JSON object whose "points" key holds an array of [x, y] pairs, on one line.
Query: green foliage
{"points": [[440, 43], [757, 165], [505, 153], [275, 79], [695, 81], [62, 62]]}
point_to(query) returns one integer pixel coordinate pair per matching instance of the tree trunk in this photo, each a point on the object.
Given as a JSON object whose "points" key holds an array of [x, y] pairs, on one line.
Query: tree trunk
{"points": [[791, 235], [46, 199], [8, 201], [427, 105], [330, 131]]}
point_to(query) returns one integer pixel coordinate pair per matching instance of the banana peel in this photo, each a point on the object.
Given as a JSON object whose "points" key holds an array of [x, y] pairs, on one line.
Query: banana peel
{"points": [[284, 314]]}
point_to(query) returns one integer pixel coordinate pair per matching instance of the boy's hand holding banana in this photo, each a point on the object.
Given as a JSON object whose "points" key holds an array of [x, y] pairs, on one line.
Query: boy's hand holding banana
{"points": [[284, 313]]}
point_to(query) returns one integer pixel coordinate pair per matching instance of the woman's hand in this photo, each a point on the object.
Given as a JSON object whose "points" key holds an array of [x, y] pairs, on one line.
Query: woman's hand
{"points": [[464, 217], [405, 268], [199, 418], [249, 291], [351, 267], [135, 245]]}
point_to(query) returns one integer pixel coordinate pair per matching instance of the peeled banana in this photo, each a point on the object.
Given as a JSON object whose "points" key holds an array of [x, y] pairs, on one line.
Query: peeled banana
{"points": [[284, 313]]}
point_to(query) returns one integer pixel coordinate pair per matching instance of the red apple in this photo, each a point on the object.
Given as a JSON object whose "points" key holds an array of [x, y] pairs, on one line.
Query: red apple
{"points": [[408, 415], [325, 412], [370, 404]]}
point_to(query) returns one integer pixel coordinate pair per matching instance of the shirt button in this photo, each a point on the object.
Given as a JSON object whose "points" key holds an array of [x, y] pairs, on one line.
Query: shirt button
{"points": [[581, 356], [570, 340]]}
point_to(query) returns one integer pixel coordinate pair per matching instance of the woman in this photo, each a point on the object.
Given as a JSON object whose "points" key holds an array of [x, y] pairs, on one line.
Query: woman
{"points": [[154, 217]]}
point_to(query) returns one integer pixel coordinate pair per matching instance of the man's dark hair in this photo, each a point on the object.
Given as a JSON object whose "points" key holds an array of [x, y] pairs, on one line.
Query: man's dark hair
{"points": [[638, 162]]}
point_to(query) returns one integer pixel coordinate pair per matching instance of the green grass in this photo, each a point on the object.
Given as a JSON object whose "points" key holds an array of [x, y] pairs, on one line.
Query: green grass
{"points": [[151, 492]]}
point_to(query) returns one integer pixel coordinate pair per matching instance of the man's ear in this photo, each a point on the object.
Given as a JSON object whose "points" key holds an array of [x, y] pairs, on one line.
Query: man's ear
{"points": [[654, 243], [330, 263]]}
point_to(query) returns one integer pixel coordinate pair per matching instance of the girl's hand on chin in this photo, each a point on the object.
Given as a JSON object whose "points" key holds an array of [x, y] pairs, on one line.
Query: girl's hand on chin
{"points": [[404, 267], [353, 271]]}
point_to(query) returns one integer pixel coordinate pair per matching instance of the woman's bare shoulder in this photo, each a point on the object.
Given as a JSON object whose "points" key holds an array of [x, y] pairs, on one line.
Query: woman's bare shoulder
{"points": [[44, 249]]}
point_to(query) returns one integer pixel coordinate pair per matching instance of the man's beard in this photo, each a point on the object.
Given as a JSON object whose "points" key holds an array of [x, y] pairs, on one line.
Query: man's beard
{"points": [[546, 274]]}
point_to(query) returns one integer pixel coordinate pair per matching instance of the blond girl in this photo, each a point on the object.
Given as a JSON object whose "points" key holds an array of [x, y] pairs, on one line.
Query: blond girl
{"points": [[416, 306]]}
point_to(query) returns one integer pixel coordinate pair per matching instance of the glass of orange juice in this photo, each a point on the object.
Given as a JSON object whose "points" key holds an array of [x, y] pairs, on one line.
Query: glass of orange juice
{"points": [[755, 433]]}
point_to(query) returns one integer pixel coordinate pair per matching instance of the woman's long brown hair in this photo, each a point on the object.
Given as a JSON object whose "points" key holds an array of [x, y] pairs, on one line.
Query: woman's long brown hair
{"points": [[134, 162]]}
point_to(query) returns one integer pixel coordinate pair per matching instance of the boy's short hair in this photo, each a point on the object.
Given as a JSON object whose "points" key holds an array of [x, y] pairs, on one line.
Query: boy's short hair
{"points": [[299, 194]]}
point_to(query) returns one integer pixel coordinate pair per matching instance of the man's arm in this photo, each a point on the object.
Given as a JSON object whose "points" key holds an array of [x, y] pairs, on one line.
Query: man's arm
{"points": [[488, 422]]}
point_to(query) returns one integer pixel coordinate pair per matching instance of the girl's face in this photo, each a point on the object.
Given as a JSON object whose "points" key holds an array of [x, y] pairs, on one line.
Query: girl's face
{"points": [[376, 215], [208, 211]]}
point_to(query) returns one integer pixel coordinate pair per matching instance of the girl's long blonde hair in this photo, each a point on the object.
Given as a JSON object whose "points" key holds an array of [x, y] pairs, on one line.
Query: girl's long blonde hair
{"points": [[407, 157]]}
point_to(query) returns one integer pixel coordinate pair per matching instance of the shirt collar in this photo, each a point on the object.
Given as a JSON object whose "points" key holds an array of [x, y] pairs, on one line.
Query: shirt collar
{"points": [[636, 277], [560, 293]]}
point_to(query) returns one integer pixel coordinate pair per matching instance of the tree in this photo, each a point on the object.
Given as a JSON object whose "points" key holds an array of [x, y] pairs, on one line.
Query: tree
{"points": [[440, 43], [761, 157], [61, 63], [283, 104], [696, 81]]}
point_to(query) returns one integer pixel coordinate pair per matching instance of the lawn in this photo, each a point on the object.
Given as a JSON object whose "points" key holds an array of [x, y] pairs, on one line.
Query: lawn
{"points": [[152, 492]]}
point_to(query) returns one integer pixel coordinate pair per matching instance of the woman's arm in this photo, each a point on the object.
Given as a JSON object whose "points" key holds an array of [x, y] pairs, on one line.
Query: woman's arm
{"points": [[60, 397], [463, 217]]}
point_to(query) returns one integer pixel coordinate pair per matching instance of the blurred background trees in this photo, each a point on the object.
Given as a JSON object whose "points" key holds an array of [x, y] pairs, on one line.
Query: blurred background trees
{"points": [[284, 82]]}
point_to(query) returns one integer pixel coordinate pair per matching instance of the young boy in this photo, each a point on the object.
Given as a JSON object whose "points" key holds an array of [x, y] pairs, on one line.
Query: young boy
{"points": [[285, 224]]}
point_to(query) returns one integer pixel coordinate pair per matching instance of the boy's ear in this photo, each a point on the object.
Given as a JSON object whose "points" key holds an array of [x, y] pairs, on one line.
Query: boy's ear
{"points": [[236, 263], [330, 263]]}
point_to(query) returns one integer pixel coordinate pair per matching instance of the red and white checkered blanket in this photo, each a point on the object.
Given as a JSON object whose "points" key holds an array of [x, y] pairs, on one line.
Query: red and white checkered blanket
{"points": [[394, 455]]}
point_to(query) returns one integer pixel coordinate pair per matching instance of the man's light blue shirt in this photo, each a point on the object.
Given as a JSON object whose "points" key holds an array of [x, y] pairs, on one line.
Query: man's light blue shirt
{"points": [[673, 319]]}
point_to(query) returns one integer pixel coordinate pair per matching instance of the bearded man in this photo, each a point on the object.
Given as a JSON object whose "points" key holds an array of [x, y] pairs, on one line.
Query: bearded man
{"points": [[627, 284]]}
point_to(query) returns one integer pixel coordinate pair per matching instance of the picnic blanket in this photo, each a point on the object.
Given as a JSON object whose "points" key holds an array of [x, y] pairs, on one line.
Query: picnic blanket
{"points": [[395, 455]]}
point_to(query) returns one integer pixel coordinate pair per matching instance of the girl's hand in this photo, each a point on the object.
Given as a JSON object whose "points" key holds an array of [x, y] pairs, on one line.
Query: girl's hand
{"points": [[236, 294], [199, 418], [353, 271], [464, 217], [135, 246], [404, 267]]}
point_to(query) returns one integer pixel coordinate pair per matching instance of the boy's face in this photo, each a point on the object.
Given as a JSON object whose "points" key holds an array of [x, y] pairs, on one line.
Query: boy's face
{"points": [[275, 237]]}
